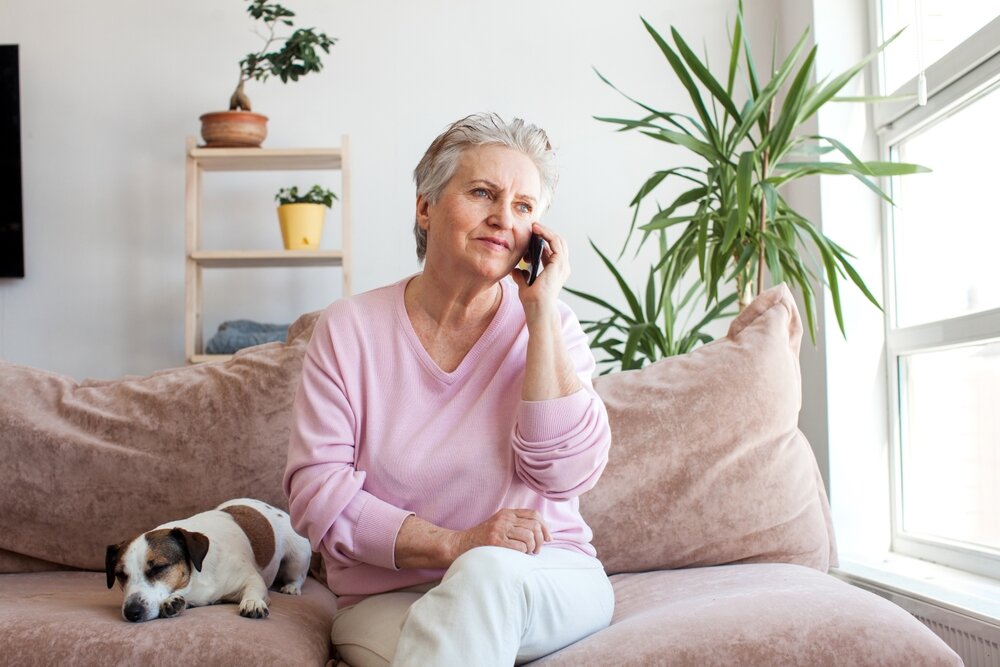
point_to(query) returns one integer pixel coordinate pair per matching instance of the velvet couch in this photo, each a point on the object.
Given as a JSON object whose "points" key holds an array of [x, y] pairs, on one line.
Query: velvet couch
{"points": [[711, 516]]}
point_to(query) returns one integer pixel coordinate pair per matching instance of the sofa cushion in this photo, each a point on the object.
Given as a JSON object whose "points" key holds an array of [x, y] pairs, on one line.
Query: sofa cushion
{"points": [[87, 464], [759, 614], [71, 618], [707, 464]]}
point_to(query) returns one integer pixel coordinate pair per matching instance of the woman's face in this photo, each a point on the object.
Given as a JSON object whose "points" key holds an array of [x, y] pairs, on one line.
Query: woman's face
{"points": [[481, 224]]}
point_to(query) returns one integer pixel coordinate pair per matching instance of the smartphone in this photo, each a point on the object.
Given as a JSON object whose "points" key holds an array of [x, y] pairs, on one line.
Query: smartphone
{"points": [[535, 247]]}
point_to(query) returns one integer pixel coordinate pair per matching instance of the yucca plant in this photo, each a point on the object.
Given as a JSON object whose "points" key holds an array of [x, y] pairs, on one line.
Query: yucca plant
{"points": [[748, 145]]}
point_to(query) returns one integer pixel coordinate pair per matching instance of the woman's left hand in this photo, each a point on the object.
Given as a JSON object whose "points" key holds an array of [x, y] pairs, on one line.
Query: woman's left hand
{"points": [[555, 260]]}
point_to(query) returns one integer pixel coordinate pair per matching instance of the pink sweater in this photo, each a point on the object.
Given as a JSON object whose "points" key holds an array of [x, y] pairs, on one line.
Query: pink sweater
{"points": [[381, 432]]}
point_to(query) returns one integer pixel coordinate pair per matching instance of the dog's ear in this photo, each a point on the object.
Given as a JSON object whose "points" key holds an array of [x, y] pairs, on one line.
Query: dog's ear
{"points": [[110, 561], [195, 544]]}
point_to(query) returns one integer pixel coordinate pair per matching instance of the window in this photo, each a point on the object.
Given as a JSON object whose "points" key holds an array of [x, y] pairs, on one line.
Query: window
{"points": [[943, 300], [943, 25]]}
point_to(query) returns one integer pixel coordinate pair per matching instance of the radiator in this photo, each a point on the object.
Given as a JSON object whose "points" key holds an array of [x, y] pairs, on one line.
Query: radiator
{"points": [[976, 640]]}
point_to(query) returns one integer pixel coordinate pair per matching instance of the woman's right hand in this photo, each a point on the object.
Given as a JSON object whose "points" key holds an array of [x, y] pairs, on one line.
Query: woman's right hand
{"points": [[421, 544], [518, 529]]}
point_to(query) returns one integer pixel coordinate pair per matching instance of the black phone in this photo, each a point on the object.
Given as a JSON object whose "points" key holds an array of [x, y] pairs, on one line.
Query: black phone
{"points": [[535, 247]]}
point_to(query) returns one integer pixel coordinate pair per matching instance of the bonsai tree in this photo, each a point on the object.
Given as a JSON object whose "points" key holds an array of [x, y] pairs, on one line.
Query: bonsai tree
{"points": [[294, 56], [316, 195], [735, 225]]}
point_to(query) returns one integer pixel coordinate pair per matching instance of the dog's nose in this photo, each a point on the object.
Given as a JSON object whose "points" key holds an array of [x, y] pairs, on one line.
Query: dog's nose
{"points": [[134, 611]]}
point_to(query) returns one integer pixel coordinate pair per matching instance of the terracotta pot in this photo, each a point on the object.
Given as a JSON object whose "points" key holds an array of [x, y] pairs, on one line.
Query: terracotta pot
{"points": [[233, 129]]}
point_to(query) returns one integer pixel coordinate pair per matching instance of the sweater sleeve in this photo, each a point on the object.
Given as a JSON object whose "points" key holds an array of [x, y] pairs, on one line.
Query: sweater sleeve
{"points": [[326, 497], [561, 445]]}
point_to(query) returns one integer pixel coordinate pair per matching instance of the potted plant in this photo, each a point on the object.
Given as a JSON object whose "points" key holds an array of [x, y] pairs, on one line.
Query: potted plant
{"points": [[293, 56], [734, 223], [301, 216]]}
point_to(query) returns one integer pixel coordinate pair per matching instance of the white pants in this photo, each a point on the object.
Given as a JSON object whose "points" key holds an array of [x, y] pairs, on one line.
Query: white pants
{"points": [[494, 606]]}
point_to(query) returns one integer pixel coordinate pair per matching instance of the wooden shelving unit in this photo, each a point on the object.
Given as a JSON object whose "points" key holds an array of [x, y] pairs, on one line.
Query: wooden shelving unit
{"points": [[200, 160]]}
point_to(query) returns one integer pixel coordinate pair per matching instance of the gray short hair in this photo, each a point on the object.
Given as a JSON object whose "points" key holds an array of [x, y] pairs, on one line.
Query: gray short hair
{"points": [[482, 129]]}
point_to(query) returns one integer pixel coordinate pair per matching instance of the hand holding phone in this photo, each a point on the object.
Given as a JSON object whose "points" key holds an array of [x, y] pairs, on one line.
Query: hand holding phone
{"points": [[535, 248]]}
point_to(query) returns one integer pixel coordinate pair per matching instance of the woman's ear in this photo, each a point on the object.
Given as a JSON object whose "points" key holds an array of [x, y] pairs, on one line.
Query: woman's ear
{"points": [[423, 211]]}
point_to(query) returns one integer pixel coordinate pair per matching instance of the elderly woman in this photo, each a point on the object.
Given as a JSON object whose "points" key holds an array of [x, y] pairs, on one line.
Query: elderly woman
{"points": [[446, 426]]}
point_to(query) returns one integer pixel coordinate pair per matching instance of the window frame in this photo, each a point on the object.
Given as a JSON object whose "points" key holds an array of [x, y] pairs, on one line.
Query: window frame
{"points": [[965, 74]]}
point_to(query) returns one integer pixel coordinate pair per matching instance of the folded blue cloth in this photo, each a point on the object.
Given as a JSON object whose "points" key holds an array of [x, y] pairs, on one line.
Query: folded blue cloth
{"points": [[237, 334]]}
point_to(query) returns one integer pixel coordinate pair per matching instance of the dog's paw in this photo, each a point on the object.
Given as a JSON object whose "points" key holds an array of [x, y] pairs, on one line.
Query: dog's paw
{"points": [[172, 606], [291, 589], [254, 609]]}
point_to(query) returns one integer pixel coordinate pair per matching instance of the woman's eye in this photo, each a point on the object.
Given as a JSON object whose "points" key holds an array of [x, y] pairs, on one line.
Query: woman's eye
{"points": [[480, 192], [524, 208]]}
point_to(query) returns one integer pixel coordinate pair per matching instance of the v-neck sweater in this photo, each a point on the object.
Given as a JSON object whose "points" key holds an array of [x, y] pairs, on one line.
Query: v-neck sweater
{"points": [[381, 432]]}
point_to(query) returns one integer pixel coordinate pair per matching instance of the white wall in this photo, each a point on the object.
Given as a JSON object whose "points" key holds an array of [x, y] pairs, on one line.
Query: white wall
{"points": [[110, 89]]}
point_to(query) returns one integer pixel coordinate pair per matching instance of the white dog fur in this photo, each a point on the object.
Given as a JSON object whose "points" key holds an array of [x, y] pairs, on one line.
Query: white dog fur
{"points": [[233, 553]]}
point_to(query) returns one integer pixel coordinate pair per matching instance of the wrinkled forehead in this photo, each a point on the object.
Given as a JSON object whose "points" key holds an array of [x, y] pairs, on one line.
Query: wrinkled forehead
{"points": [[506, 167]]}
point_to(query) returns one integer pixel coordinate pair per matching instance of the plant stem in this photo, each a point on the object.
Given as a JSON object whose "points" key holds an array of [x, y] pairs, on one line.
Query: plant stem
{"points": [[239, 100]]}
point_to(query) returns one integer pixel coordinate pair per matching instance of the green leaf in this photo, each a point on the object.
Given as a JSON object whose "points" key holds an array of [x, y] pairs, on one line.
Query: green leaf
{"points": [[685, 79], [629, 296], [825, 94], [651, 301], [770, 200], [856, 278], [715, 312], [599, 302], [871, 168], [734, 51], [663, 223], [874, 99], [788, 118], [846, 152], [667, 117], [744, 190], [761, 104], [702, 245], [706, 150], [701, 71], [752, 77], [772, 257]]}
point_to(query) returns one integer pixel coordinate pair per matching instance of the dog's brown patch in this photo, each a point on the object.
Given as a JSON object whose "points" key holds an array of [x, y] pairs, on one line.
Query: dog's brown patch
{"points": [[166, 560], [258, 530]]}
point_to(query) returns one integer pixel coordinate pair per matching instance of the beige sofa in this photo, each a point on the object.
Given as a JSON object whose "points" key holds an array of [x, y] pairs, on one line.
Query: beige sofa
{"points": [[711, 516]]}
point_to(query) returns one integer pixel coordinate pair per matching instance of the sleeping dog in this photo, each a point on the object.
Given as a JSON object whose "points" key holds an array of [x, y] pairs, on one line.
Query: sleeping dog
{"points": [[233, 553]]}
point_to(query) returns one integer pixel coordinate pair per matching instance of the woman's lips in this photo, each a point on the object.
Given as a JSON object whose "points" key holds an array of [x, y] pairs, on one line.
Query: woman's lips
{"points": [[499, 244]]}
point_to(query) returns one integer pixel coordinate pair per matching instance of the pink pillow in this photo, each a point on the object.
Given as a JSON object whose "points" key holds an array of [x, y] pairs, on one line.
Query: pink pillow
{"points": [[87, 464], [707, 463]]}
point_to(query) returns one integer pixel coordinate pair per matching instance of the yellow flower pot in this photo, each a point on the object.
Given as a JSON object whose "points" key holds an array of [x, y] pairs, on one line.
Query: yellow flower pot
{"points": [[301, 225]]}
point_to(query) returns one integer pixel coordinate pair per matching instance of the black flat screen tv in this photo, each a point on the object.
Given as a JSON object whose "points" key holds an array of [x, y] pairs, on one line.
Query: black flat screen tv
{"points": [[11, 204]]}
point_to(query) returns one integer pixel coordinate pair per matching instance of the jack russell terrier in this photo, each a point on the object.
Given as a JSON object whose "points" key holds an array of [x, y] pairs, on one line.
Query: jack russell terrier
{"points": [[233, 553]]}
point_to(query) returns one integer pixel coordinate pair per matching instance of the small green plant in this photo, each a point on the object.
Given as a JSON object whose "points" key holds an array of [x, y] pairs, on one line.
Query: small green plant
{"points": [[297, 56], [657, 322], [316, 195]]}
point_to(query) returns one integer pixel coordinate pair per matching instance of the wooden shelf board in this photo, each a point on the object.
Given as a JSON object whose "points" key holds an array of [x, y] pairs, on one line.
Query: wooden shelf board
{"points": [[266, 159], [204, 358], [214, 259]]}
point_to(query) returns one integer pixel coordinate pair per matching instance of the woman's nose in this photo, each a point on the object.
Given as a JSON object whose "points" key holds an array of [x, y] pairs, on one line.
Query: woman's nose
{"points": [[501, 215]]}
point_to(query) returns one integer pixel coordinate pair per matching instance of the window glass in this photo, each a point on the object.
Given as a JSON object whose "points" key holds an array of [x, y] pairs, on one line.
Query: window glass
{"points": [[950, 435], [946, 23], [946, 226]]}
